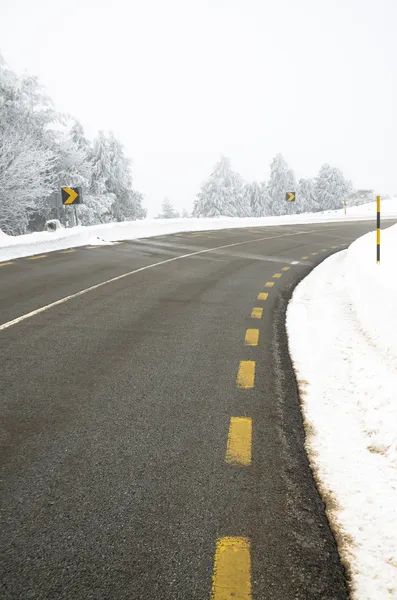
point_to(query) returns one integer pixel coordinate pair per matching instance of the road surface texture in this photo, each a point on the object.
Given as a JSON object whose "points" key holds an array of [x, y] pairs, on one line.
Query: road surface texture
{"points": [[152, 445]]}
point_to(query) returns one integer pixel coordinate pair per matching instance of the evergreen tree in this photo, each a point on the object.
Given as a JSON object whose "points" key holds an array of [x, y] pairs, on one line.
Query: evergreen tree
{"points": [[167, 210], [281, 181], [223, 194], [305, 197], [258, 196], [111, 175], [330, 188], [266, 200]]}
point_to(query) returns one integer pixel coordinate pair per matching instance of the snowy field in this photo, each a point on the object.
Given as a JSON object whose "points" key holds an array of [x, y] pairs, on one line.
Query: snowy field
{"points": [[342, 329], [37, 243]]}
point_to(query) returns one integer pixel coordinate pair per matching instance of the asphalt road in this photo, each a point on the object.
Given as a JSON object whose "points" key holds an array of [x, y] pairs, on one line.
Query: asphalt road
{"points": [[116, 473]]}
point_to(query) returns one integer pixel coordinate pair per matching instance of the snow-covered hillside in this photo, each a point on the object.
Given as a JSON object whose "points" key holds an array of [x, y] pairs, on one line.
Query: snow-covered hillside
{"points": [[346, 310], [35, 243]]}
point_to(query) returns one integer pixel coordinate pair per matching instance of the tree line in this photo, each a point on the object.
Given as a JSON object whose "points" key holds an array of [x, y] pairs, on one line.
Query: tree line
{"points": [[42, 150], [226, 193]]}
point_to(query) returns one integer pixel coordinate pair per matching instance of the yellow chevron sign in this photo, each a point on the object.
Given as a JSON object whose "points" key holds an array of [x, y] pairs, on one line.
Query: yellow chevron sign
{"points": [[290, 196], [70, 195]]}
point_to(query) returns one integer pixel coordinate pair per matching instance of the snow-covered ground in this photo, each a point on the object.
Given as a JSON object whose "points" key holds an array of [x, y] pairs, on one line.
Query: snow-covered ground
{"points": [[342, 329], [37, 243]]}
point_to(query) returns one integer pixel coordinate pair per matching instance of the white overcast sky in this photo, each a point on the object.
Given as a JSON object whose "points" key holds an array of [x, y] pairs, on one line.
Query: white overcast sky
{"points": [[182, 81]]}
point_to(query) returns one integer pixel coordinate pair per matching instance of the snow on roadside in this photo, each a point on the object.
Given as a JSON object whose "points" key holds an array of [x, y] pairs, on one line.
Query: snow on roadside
{"points": [[342, 326], [37, 243]]}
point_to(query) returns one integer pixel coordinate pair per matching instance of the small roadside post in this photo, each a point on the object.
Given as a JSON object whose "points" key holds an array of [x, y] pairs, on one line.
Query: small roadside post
{"points": [[378, 230], [344, 202]]}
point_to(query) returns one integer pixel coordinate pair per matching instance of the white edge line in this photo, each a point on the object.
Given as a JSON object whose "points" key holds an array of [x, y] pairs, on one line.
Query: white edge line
{"points": [[113, 279]]}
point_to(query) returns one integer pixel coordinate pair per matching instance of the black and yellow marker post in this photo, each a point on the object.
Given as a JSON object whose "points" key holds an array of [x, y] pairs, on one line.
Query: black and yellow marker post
{"points": [[377, 230]]}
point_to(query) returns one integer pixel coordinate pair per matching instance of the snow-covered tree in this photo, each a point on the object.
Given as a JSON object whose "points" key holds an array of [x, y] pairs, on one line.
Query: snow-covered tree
{"points": [[331, 188], [26, 161], [26, 176], [357, 197], [305, 197], [282, 180], [111, 174], [42, 150], [223, 194], [259, 199], [185, 214], [167, 211]]}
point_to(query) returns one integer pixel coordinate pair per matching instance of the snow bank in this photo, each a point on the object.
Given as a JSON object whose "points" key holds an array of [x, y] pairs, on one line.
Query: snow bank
{"points": [[342, 328], [34, 243]]}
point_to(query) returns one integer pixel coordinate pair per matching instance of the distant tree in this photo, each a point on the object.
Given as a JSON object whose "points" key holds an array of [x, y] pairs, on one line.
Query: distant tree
{"points": [[185, 214], [111, 175], [258, 199], [282, 180], [305, 196], [357, 197], [167, 211], [223, 194], [331, 188], [266, 199]]}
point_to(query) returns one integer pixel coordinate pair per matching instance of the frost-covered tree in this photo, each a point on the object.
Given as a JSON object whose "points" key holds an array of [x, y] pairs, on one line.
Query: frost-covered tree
{"points": [[305, 197], [26, 176], [259, 199], [167, 211], [185, 214], [331, 188], [223, 194], [282, 180], [111, 175], [42, 150], [357, 197], [26, 160]]}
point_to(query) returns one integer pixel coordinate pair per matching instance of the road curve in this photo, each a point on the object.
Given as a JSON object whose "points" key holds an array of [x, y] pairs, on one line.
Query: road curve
{"points": [[123, 472]]}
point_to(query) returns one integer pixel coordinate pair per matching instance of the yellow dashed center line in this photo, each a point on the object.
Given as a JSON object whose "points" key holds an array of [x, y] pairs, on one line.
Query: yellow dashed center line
{"points": [[323, 249], [239, 441], [314, 253], [263, 296], [94, 247], [256, 313], [232, 569], [68, 251], [251, 337], [269, 284], [305, 257], [334, 247], [277, 275], [285, 268], [246, 374], [36, 257], [5, 264]]}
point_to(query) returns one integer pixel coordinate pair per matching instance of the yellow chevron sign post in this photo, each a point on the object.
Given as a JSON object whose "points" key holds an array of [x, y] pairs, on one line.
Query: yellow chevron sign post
{"points": [[290, 196], [71, 195]]}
